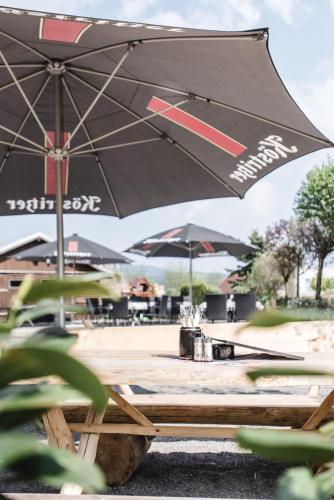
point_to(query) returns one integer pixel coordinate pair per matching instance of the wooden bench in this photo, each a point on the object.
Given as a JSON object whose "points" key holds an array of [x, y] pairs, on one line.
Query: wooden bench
{"points": [[222, 409]]}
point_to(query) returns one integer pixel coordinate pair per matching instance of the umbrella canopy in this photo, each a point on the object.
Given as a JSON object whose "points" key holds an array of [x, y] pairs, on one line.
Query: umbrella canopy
{"points": [[77, 250], [109, 117], [149, 116], [190, 241]]}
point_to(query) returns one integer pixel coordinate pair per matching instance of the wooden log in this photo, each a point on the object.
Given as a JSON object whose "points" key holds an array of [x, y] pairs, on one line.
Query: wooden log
{"points": [[120, 455]]}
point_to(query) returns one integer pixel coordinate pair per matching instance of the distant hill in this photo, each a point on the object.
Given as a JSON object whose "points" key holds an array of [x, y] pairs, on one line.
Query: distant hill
{"points": [[157, 274]]}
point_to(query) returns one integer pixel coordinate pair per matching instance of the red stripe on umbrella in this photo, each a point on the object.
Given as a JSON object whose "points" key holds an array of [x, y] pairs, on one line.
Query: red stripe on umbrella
{"points": [[59, 30], [50, 168], [197, 126], [72, 246], [171, 233], [207, 247]]}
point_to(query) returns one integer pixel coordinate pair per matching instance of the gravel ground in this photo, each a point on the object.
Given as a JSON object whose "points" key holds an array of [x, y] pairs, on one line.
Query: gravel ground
{"points": [[188, 467]]}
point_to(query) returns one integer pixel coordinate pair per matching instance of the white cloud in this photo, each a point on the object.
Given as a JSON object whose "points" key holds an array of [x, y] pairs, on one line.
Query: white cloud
{"points": [[61, 6], [316, 98], [209, 14], [133, 9], [331, 3], [289, 10]]}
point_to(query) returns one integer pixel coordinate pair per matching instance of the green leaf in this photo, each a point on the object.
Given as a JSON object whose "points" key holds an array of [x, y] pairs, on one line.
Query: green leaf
{"points": [[21, 404], [44, 308], [31, 460], [25, 287], [282, 371], [34, 362], [290, 446], [299, 484], [327, 429], [325, 480], [268, 319], [68, 287], [53, 337]]}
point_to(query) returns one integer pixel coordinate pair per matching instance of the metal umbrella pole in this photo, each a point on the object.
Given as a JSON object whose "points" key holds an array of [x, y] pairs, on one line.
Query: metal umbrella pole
{"points": [[190, 274], [58, 121]]}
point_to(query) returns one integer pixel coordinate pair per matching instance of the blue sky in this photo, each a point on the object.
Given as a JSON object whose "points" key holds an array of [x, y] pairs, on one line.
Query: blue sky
{"points": [[301, 44]]}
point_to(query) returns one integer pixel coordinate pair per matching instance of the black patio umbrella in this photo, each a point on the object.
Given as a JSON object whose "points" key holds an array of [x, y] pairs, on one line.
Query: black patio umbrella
{"points": [[190, 241], [112, 118], [77, 250]]}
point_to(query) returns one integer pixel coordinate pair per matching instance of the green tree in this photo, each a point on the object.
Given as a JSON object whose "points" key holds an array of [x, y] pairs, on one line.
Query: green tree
{"points": [[265, 278], [314, 203], [200, 289], [176, 277], [243, 271], [290, 242]]}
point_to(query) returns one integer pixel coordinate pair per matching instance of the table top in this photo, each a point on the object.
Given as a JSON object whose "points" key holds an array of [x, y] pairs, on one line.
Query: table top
{"points": [[165, 368]]}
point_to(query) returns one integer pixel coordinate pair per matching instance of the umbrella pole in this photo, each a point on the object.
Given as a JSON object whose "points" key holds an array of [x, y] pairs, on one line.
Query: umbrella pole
{"points": [[58, 121], [190, 275]]}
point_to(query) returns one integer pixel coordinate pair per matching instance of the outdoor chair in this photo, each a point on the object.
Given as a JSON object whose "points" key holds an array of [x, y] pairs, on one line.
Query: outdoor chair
{"points": [[216, 307], [106, 310], [120, 312], [245, 305], [163, 309], [94, 310], [176, 302]]}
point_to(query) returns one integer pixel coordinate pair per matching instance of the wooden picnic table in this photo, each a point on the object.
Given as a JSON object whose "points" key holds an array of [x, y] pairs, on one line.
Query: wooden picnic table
{"points": [[165, 368], [126, 368]]}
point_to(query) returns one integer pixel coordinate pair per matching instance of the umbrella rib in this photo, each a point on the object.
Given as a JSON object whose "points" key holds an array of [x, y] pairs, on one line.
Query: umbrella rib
{"points": [[208, 100], [254, 37], [129, 125], [16, 134], [24, 78], [97, 97], [13, 145], [154, 127], [41, 90], [116, 146], [98, 160], [25, 45], [27, 101]]}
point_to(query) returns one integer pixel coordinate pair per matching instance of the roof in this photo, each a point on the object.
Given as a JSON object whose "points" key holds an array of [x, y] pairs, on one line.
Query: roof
{"points": [[25, 242]]}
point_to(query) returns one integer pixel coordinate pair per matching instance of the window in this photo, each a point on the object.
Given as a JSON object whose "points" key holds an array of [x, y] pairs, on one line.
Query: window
{"points": [[15, 283]]}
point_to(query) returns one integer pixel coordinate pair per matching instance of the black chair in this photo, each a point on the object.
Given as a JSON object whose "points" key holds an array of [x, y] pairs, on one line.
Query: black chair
{"points": [[120, 311], [94, 310], [106, 308], [216, 307], [176, 302], [245, 305]]}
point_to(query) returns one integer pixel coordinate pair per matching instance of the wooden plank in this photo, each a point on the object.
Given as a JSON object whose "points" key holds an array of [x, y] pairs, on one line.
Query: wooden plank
{"points": [[165, 368], [225, 409], [46, 496], [159, 430], [125, 389], [87, 448], [57, 430], [128, 408], [320, 413]]}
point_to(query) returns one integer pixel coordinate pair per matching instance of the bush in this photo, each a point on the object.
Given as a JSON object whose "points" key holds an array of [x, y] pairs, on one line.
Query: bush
{"points": [[199, 292]]}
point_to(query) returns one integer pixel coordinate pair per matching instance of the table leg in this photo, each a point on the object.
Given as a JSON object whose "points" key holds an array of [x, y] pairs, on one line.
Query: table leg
{"points": [[320, 413], [57, 430], [87, 448]]}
